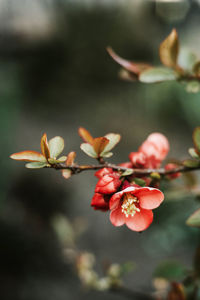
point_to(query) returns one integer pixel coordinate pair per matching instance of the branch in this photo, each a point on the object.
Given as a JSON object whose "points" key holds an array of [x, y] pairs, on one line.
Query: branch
{"points": [[143, 172]]}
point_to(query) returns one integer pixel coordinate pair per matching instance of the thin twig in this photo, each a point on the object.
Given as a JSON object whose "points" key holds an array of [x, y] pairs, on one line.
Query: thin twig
{"points": [[143, 172]]}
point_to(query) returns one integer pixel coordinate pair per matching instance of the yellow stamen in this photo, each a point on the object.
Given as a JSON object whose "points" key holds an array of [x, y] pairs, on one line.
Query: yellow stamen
{"points": [[129, 207]]}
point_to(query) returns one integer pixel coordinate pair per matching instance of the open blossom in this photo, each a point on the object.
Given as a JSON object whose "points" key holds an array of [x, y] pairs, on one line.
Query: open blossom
{"points": [[151, 153], [133, 207]]}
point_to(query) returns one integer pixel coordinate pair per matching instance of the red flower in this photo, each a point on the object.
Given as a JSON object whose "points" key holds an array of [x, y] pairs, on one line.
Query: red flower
{"points": [[108, 184], [133, 207], [155, 145], [100, 202], [151, 152]]}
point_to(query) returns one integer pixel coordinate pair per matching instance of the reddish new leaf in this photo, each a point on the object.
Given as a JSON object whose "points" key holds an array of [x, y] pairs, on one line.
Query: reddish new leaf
{"points": [[85, 135], [136, 68], [169, 50], [99, 144], [28, 156], [70, 158], [45, 147]]}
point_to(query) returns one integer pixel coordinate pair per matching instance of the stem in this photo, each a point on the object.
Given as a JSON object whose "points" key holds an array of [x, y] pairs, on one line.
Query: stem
{"points": [[143, 172]]}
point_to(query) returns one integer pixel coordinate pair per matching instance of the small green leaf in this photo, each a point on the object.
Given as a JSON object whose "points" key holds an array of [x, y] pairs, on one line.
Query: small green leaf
{"points": [[36, 165], [158, 75], [170, 270], [193, 153], [127, 172], [191, 163], [56, 146], [193, 86], [196, 139], [140, 181], [186, 60], [194, 219], [113, 141], [62, 159], [88, 149], [57, 161], [106, 154]]}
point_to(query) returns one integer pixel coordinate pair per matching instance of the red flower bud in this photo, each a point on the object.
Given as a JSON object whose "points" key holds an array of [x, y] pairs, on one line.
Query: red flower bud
{"points": [[100, 173], [108, 184]]}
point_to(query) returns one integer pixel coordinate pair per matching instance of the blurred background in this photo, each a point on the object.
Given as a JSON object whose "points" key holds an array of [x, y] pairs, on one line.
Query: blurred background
{"points": [[55, 75]]}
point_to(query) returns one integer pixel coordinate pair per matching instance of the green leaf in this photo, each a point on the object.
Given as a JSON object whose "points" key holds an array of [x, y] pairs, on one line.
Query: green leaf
{"points": [[56, 146], [170, 270], [114, 139], [194, 219], [127, 172], [191, 163], [107, 154], [193, 86], [140, 181], [57, 161], [186, 59], [62, 159], [88, 149], [158, 75], [36, 165], [193, 153], [196, 139]]}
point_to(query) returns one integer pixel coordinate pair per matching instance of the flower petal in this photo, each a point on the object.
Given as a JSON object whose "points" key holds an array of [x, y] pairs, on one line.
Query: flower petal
{"points": [[117, 218], [28, 156], [149, 198], [98, 202], [115, 199], [140, 221], [161, 143]]}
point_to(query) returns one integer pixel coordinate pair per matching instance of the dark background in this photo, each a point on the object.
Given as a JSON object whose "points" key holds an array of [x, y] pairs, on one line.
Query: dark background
{"points": [[55, 75]]}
